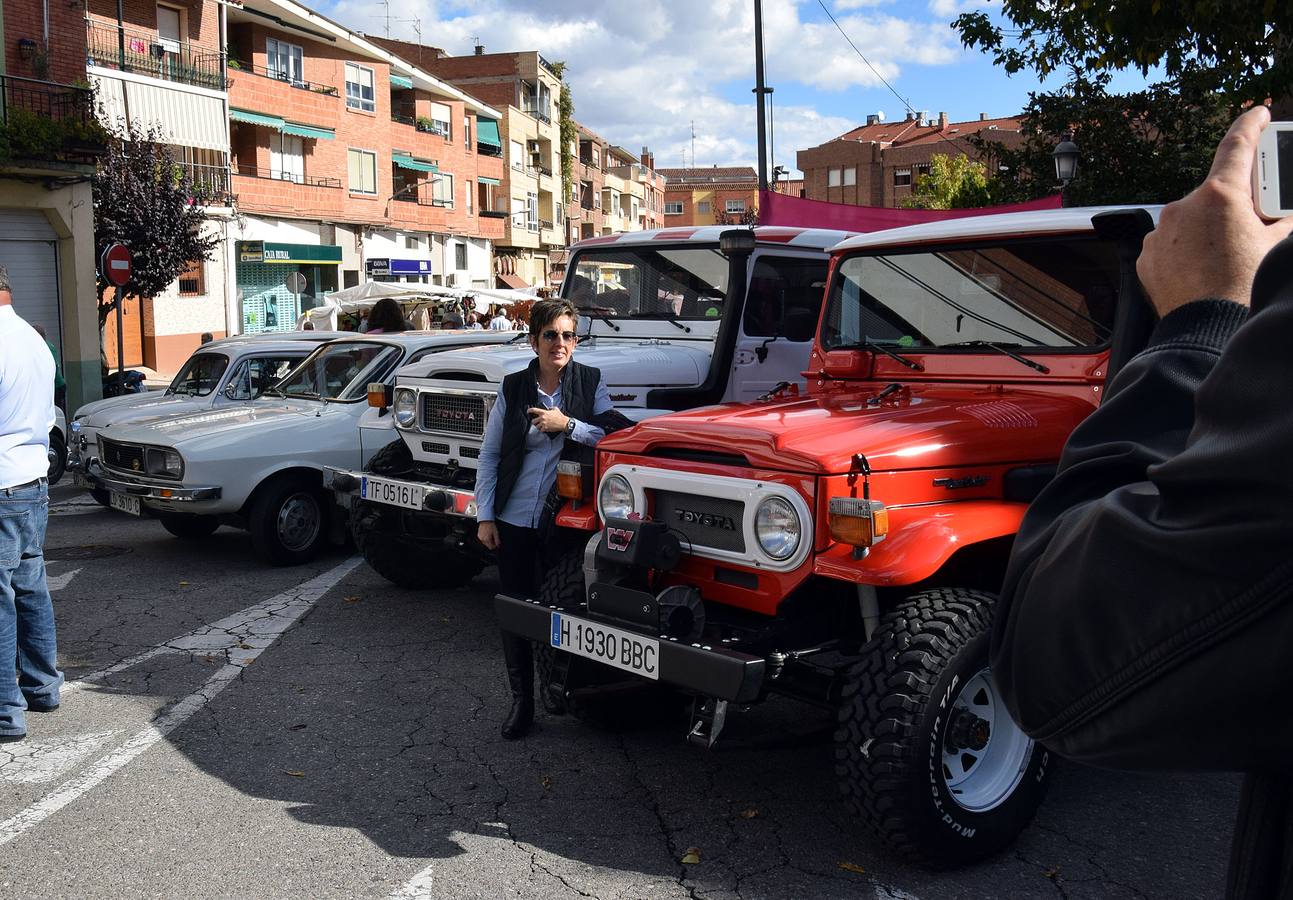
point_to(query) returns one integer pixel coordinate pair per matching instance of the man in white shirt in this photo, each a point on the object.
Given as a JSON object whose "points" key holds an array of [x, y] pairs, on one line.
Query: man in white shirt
{"points": [[500, 322], [26, 610]]}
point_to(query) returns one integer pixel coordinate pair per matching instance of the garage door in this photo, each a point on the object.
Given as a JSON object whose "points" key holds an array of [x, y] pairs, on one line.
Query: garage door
{"points": [[29, 250]]}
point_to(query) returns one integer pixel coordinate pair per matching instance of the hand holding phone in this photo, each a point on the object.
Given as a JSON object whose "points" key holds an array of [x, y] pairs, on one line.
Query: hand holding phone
{"points": [[1273, 171]]}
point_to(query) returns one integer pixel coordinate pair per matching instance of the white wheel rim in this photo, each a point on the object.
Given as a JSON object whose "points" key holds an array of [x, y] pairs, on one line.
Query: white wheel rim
{"points": [[982, 778]]}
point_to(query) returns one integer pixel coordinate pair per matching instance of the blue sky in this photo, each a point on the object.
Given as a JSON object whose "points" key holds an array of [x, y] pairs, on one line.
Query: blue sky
{"points": [[641, 71]]}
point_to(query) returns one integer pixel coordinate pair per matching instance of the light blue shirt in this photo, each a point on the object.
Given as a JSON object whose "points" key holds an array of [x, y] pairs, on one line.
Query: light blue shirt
{"points": [[538, 468]]}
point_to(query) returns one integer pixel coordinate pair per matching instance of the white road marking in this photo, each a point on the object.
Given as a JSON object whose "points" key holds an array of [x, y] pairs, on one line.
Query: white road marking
{"points": [[33, 761], [257, 626], [58, 582], [883, 892], [418, 887]]}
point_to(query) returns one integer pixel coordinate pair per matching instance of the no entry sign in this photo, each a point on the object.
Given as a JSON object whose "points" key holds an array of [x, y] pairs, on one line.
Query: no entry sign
{"points": [[115, 264]]}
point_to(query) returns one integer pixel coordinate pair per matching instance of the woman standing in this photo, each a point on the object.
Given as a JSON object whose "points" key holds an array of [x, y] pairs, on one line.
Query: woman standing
{"points": [[385, 318], [554, 408]]}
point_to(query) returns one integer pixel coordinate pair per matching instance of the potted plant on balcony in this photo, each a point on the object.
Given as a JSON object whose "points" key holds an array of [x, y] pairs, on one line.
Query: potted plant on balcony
{"points": [[424, 123]]}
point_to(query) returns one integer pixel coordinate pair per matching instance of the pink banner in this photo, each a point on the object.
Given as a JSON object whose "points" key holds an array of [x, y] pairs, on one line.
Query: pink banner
{"points": [[780, 209]]}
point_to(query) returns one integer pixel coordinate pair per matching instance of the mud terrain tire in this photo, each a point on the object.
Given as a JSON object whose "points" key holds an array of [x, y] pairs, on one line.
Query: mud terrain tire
{"points": [[926, 753]]}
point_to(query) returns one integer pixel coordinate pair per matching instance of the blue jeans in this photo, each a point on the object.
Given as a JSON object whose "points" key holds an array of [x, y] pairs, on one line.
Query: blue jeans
{"points": [[26, 610]]}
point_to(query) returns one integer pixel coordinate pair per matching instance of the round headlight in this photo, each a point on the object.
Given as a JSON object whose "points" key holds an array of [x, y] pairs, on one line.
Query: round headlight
{"points": [[615, 497], [406, 407], [777, 528]]}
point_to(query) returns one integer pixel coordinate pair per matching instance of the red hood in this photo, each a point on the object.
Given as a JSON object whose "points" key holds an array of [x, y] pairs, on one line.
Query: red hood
{"points": [[927, 427]]}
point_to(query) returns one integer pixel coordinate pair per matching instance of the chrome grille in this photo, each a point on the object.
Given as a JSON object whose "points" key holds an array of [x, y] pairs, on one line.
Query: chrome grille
{"points": [[462, 414], [122, 457], [704, 521]]}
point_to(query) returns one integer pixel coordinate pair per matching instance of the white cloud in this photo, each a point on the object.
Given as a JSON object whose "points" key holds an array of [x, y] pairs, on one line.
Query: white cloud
{"points": [[946, 9], [642, 75]]}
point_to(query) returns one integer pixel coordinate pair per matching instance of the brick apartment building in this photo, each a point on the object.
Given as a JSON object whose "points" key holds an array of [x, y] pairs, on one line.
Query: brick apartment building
{"points": [[525, 88], [876, 164], [698, 196], [46, 230], [342, 161], [612, 190]]}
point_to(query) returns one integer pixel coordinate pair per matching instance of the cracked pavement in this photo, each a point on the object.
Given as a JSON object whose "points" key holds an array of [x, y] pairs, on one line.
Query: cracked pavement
{"points": [[232, 732]]}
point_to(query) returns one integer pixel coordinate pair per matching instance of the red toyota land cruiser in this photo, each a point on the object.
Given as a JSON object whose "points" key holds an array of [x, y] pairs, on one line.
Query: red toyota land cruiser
{"points": [[842, 545]]}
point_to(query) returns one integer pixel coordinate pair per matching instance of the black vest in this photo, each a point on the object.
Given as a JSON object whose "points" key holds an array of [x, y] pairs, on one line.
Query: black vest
{"points": [[520, 393]]}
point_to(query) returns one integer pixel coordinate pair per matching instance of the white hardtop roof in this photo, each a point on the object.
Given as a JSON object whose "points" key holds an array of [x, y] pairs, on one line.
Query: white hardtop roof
{"points": [[235, 346], [1016, 224], [273, 338], [771, 235]]}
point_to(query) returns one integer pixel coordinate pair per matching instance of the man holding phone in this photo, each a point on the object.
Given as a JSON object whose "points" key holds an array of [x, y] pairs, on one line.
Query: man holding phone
{"points": [[1147, 613]]}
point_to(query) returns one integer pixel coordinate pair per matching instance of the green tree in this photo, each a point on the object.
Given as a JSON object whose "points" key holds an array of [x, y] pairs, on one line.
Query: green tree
{"points": [[150, 204], [953, 182], [569, 133], [1238, 47]]}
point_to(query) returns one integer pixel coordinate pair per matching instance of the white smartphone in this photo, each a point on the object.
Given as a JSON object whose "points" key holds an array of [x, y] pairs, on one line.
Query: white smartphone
{"points": [[1273, 171]]}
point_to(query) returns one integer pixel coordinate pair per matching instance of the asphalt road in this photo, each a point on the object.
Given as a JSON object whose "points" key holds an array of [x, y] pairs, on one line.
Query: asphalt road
{"points": [[235, 730]]}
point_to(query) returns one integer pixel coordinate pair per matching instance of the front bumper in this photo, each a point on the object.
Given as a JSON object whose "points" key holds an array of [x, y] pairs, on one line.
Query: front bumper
{"points": [[700, 668], [349, 485], [158, 492]]}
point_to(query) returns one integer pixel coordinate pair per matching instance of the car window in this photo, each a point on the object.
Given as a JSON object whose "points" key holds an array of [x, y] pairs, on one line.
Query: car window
{"points": [[785, 297], [200, 375], [341, 370], [255, 375]]}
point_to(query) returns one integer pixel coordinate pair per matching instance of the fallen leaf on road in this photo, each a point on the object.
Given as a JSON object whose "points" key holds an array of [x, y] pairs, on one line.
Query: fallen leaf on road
{"points": [[852, 867], [445, 620], [1052, 872], [546, 781], [208, 659], [294, 774], [298, 726], [352, 599], [244, 646], [691, 857], [750, 813], [184, 584]]}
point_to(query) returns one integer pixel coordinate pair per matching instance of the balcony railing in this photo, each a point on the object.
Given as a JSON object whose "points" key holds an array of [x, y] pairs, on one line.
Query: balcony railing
{"points": [[403, 119], [538, 114], [276, 175], [134, 50], [488, 150], [211, 182], [544, 223], [28, 106], [279, 75]]}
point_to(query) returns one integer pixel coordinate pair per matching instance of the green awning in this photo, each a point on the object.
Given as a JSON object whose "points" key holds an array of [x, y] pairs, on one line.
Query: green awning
{"points": [[310, 131], [399, 81], [487, 133], [255, 118], [483, 180], [404, 161]]}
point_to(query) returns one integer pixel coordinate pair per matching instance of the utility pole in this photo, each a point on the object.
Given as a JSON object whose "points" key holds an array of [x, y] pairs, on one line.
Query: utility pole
{"points": [[759, 91], [693, 143]]}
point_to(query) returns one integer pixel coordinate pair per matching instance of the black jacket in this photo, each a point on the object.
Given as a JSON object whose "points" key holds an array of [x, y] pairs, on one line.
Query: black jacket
{"points": [[1147, 615]]}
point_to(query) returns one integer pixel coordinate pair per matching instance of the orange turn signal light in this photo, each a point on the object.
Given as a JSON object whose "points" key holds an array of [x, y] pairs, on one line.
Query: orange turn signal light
{"points": [[379, 395], [860, 523], [570, 480]]}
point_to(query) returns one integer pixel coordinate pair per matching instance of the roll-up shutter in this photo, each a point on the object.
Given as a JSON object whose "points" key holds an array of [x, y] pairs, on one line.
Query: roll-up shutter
{"points": [[29, 251]]}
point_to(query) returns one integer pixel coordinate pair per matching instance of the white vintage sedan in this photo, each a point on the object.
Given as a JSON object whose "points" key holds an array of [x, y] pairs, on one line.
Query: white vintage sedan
{"points": [[220, 373], [258, 465]]}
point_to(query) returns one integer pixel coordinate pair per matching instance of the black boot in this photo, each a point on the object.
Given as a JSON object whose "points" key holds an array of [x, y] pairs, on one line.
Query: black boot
{"points": [[519, 659]]}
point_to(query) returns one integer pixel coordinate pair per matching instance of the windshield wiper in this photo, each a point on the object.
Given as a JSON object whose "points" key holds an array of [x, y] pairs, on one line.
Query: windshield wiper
{"points": [[881, 348], [1005, 350], [601, 317]]}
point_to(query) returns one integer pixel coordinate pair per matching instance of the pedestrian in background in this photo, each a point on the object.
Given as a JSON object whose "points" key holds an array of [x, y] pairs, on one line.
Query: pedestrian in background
{"points": [[386, 318], [206, 338], [60, 383], [500, 322], [1147, 612], [26, 610], [555, 408], [452, 317]]}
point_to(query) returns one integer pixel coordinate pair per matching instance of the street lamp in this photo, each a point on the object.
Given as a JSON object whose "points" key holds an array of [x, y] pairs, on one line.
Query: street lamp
{"points": [[1066, 155]]}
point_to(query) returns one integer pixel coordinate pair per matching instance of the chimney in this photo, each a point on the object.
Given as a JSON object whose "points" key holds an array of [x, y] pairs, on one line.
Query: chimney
{"points": [[911, 116], [480, 49], [873, 119], [942, 121], [983, 117], [922, 118]]}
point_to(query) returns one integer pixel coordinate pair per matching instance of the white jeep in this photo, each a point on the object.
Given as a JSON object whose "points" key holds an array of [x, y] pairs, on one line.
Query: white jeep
{"points": [[257, 465], [674, 319]]}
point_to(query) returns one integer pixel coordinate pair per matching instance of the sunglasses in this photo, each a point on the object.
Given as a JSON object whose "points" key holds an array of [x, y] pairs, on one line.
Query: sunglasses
{"points": [[552, 334]]}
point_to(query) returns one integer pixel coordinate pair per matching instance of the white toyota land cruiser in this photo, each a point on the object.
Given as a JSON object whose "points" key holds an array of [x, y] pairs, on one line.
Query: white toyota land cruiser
{"points": [[674, 319]]}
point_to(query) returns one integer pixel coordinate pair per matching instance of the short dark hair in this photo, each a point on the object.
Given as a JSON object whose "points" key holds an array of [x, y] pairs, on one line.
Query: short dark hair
{"points": [[545, 312], [386, 315]]}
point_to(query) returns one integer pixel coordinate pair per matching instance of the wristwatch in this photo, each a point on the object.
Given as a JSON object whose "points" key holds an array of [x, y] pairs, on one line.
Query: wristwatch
{"points": [[570, 426]]}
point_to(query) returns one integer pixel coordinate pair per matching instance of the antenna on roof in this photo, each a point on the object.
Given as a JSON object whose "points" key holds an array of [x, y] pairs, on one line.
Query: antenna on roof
{"points": [[693, 143]]}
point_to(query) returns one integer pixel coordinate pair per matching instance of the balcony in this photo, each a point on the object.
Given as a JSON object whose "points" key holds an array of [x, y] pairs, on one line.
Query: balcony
{"points": [[488, 150], [279, 75], [135, 50], [211, 183], [275, 175], [538, 114], [42, 120]]}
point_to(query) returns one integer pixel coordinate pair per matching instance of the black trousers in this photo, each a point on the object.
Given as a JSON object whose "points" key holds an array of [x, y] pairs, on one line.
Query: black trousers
{"points": [[519, 559]]}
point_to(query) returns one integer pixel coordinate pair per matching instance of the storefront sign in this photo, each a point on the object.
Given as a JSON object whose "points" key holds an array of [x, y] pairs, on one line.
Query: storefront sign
{"points": [[384, 266], [270, 252]]}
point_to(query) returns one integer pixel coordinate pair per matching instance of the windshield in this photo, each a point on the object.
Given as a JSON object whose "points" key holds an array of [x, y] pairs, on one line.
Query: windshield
{"points": [[200, 375], [650, 282], [340, 371], [1053, 294]]}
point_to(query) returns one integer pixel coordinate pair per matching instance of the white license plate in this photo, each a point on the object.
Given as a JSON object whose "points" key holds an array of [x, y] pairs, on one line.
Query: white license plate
{"points": [[612, 646], [124, 502], [392, 493]]}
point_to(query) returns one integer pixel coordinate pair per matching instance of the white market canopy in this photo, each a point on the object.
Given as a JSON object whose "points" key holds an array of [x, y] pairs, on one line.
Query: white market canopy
{"points": [[413, 297]]}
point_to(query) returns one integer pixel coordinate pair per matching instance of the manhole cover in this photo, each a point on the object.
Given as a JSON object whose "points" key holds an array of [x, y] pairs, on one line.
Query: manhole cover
{"points": [[89, 551]]}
